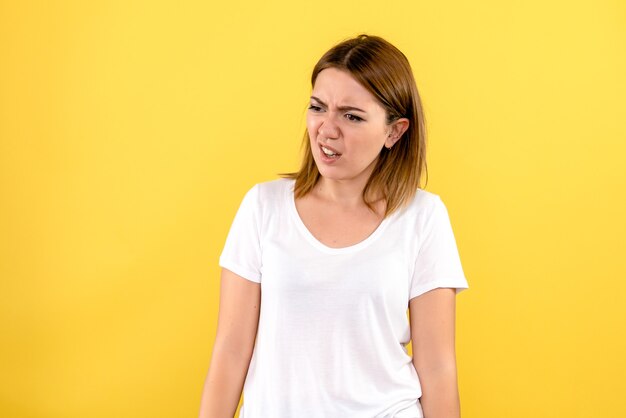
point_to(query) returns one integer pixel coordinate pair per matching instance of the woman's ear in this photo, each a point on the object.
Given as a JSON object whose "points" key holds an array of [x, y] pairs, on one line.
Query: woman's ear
{"points": [[396, 130]]}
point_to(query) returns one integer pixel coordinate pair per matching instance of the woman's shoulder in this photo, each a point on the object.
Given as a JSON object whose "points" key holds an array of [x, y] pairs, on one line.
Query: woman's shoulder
{"points": [[423, 204], [272, 189], [423, 200], [413, 219], [270, 192]]}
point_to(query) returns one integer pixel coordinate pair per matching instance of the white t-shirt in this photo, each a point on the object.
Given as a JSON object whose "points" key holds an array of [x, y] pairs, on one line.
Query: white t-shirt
{"points": [[333, 326]]}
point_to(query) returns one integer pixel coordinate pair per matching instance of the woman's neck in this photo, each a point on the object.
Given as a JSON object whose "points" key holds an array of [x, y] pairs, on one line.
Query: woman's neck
{"points": [[343, 193]]}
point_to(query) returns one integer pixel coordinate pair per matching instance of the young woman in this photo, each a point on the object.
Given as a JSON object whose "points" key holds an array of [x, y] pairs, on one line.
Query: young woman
{"points": [[320, 266]]}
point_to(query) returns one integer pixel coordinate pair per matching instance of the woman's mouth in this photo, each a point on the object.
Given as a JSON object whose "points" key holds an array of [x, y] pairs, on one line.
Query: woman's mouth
{"points": [[329, 153]]}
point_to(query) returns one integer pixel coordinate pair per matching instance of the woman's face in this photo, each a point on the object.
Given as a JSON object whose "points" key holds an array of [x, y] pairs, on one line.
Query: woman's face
{"points": [[346, 125]]}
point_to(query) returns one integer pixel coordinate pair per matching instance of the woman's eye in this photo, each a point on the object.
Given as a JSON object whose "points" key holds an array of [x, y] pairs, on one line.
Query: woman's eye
{"points": [[353, 118], [315, 108]]}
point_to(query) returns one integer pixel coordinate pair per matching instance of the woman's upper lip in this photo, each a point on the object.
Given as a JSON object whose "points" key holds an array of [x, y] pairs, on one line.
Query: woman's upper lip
{"points": [[330, 148]]}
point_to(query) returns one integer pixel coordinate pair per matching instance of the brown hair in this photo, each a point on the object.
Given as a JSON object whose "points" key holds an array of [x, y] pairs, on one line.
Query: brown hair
{"points": [[386, 73]]}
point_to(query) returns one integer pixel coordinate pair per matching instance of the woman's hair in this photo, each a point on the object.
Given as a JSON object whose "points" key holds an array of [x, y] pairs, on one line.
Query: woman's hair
{"points": [[386, 73]]}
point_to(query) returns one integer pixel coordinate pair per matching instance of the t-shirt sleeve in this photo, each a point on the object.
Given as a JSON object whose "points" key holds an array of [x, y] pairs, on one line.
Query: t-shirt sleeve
{"points": [[242, 250], [438, 263]]}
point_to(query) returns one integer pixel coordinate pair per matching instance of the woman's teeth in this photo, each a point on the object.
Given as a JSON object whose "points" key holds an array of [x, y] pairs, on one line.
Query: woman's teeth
{"points": [[328, 152]]}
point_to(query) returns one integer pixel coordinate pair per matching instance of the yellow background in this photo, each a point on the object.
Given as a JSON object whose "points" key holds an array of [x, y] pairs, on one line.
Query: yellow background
{"points": [[129, 132]]}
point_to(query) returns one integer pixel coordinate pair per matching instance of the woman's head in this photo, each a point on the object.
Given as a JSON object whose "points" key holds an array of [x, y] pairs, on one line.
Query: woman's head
{"points": [[384, 137]]}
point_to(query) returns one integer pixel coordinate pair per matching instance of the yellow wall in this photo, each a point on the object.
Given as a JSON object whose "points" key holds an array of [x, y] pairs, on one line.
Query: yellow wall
{"points": [[129, 132]]}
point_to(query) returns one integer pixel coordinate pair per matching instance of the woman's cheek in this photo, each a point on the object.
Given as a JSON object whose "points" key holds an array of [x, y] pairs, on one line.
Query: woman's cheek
{"points": [[311, 129]]}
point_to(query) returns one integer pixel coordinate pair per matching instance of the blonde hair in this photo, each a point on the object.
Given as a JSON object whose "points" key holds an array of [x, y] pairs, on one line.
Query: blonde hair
{"points": [[386, 73]]}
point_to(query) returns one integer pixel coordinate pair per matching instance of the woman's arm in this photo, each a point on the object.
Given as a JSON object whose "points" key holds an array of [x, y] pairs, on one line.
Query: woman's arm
{"points": [[238, 319], [432, 337]]}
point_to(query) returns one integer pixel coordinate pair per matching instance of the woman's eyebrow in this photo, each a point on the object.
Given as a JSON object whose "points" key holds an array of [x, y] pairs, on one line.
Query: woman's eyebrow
{"points": [[342, 108]]}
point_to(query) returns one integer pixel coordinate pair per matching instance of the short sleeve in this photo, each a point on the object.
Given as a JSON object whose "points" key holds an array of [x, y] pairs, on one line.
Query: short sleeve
{"points": [[438, 263], [242, 250]]}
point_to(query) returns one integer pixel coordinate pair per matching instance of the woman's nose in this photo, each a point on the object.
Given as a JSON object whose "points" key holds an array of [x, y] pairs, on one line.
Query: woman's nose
{"points": [[328, 128]]}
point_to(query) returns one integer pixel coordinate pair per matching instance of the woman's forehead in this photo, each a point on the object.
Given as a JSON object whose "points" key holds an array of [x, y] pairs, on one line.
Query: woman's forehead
{"points": [[340, 87]]}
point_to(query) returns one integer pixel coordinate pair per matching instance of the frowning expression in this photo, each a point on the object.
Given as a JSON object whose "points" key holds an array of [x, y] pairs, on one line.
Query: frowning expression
{"points": [[346, 125]]}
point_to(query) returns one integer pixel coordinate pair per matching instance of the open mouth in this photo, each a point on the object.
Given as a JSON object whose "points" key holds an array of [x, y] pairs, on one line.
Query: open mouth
{"points": [[329, 153]]}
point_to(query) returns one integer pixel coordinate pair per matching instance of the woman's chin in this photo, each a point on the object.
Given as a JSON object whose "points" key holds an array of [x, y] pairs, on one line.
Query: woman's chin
{"points": [[335, 175], [327, 171]]}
